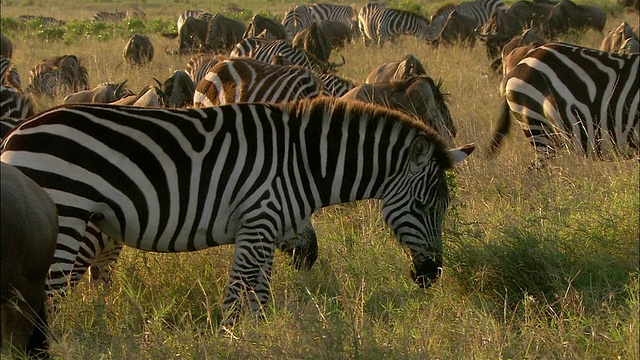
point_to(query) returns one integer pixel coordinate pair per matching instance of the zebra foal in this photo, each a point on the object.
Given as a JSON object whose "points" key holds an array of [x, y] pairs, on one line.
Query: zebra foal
{"points": [[580, 98], [173, 180]]}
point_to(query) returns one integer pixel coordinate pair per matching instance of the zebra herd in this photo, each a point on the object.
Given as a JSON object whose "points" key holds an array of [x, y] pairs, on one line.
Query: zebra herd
{"points": [[267, 143]]}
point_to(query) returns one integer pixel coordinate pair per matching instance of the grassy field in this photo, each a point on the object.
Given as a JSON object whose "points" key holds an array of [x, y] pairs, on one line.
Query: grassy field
{"points": [[537, 265]]}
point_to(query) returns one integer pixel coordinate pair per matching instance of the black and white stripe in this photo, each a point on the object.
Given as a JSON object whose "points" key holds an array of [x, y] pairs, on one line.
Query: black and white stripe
{"points": [[581, 98], [334, 85], [380, 24], [249, 80], [172, 180], [266, 51], [198, 65], [9, 75], [58, 76], [343, 13], [296, 19]]}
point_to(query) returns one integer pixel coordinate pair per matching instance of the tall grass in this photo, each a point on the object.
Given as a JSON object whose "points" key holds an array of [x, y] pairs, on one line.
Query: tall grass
{"points": [[537, 264]]}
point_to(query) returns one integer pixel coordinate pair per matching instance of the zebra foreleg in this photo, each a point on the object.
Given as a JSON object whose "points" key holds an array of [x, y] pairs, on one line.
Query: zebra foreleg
{"points": [[249, 280]]}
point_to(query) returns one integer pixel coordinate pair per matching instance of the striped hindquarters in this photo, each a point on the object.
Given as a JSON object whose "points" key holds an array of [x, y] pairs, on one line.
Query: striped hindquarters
{"points": [[579, 97], [247, 80]]}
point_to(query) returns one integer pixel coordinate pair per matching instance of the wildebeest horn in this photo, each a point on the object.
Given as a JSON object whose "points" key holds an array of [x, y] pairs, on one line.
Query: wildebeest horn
{"points": [[158, 81], [119, 88]]}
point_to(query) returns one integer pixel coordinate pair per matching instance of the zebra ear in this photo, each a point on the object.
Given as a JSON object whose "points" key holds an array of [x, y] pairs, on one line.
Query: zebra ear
{"points": [[459, 154], [420, 150]]}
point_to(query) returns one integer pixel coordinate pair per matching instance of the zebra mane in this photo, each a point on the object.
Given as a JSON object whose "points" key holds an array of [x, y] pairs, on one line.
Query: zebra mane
{"points": [[357, 109]]}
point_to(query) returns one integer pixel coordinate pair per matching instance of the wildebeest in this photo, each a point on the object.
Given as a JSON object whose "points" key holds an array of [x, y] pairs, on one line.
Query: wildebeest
{"points": [[313, 40], [192, 35], [498, 30], [339, 33], [103, 93], [223, 33], [178, 89], [569, 15], [457, 28], [28, 239], [6, 47], [138, 51], [396, 71], [274, 29], [615, 38], [418, 96], [150, 96]]}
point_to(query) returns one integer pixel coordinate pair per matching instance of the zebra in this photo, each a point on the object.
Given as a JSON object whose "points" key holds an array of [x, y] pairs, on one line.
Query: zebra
{"points": [[175, 180], [364, 14], [196, 14], [14, 107], [567, 95], [296, 19], [334, 85], [58, 76], [47, 21], [198, 65], [249, 80], [106, 16], [266, 51], [343, 13], [479, 10], [387, 24], [9, 75]]}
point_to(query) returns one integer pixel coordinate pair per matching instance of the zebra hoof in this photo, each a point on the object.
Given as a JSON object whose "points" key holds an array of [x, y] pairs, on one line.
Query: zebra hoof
{"points": [[426, 273]]}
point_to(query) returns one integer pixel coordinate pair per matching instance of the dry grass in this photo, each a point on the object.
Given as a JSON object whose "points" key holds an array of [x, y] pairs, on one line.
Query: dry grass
{"points": [[537, 264]]}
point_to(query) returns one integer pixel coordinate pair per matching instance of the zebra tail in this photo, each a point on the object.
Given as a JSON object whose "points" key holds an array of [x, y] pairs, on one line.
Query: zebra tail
{"points": [[502, 129]]}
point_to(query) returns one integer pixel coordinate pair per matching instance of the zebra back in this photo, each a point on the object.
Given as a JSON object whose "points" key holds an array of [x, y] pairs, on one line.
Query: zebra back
{"points": [[336, 86], [387, 24], [249, 80], [296, 19], [198, 65]]}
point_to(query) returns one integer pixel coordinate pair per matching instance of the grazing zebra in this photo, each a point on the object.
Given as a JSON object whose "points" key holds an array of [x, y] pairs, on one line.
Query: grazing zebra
{"points": [[343, 13], [479, 10], [196, 14], [384, 23], [266, 51], [296, 19], [174, 180], [47, 21], [198, 65], [249, 80], [334, 85], [118, 16], [364, 14], [581, 98], [58, 76]]}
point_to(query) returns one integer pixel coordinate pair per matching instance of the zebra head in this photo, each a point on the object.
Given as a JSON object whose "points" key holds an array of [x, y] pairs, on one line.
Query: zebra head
{"points": [[414, 204]]}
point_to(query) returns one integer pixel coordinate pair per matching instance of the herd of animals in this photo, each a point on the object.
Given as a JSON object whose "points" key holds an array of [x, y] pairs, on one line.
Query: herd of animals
{"points": [[258, 132]]}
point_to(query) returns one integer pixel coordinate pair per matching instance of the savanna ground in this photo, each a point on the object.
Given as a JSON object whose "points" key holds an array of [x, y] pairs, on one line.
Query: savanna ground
{"points": [[537, 265]]}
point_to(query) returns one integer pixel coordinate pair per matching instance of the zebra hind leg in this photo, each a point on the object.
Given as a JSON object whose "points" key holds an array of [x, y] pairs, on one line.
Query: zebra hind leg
{"points": [[303, 248]]}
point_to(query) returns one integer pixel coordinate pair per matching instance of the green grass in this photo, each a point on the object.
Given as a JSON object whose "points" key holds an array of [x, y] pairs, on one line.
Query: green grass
{"points": [[537, 264]]}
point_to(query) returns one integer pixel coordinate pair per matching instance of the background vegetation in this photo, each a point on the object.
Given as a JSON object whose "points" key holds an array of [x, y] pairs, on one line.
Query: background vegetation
{"points": [[538, 265]]}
